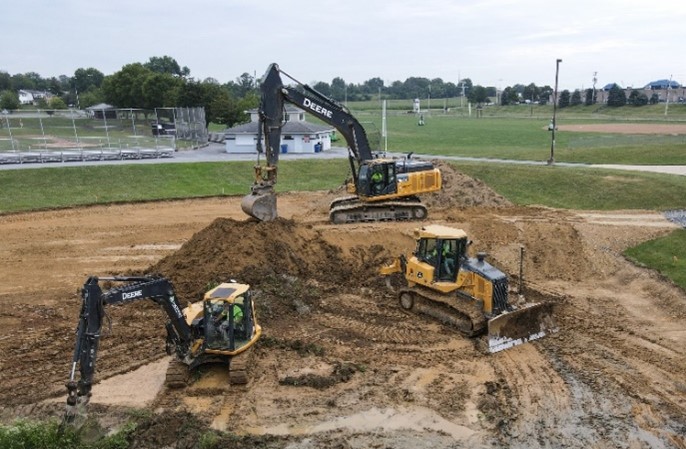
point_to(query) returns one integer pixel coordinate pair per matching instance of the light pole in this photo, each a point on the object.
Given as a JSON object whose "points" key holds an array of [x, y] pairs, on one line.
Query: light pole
{"points": [[551, 161]]}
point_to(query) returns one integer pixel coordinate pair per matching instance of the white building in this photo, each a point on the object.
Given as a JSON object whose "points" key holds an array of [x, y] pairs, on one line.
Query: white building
{"points": [[297, 135]]}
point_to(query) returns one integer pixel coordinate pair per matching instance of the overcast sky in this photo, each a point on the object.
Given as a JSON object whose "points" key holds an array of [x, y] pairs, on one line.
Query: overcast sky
{"points": [[492, 42]]}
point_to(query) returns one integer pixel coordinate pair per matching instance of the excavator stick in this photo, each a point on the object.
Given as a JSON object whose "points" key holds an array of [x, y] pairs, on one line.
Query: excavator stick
{"points": [[261, 203], [527, 323]]}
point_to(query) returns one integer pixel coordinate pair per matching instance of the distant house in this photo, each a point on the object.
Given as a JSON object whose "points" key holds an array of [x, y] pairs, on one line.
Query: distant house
{"points": [[25, 97], [297, 135], [28, 96], [101, 111], [662, 85]]}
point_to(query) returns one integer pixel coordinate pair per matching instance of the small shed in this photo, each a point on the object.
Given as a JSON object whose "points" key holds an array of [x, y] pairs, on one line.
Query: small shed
{"points": [[101, 111], [297, 135]]}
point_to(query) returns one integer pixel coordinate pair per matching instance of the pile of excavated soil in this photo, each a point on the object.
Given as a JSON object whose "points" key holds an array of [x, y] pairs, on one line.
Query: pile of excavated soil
{"points": [[460, 190], [286, 260]]}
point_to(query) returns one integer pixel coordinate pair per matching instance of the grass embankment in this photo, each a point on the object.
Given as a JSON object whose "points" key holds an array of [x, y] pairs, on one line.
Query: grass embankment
{"points": [[561, 187], [667, 255], [46, 187]]}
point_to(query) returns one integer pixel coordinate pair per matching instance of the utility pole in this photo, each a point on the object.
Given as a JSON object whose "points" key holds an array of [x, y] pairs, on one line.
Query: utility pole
{"points": [[595, 79], [668, 87], [551, 161]]}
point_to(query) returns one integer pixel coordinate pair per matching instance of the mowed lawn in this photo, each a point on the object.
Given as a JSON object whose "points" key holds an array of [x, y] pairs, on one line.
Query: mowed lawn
{"points": [[523, 139]]}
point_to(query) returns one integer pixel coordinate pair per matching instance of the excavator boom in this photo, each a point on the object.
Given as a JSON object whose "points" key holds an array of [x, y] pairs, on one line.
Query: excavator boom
{"points": [[384, 189]]}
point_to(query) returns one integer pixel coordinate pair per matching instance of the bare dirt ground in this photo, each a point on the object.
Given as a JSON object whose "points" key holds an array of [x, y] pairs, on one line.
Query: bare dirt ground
{"points": [[340, 364]]}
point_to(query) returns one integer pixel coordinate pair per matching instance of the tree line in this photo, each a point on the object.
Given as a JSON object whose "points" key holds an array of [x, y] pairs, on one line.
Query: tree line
{"points": [[162, 82]]}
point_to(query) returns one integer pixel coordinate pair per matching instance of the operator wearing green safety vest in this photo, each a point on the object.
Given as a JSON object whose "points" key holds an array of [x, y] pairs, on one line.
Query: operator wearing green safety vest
{"points": [[447, 261], [223, 317], [377, 181]]}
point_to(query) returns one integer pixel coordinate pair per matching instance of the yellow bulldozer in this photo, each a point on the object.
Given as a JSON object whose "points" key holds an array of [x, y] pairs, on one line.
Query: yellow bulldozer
{"points": [[467, 293]]}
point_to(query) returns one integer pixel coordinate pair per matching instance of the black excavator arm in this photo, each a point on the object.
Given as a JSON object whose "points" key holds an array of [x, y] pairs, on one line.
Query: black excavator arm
{"points": [[94, 300], [261, 203], [275, 93]]}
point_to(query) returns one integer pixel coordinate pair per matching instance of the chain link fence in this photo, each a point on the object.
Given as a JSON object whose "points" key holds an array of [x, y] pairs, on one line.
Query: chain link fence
{"points": [[98, 134]]}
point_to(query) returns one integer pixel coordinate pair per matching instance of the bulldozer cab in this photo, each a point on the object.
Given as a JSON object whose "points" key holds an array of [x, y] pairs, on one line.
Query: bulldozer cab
{"points": [[443, 254], [228, 317]]}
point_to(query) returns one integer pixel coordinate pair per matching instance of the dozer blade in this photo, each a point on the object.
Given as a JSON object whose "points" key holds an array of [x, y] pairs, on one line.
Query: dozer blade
{"points": [[260, 204], [530, 322]]}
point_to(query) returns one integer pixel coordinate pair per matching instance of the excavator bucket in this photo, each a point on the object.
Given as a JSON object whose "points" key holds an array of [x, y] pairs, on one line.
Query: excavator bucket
{"points": [[529, 322], [260, 204]]}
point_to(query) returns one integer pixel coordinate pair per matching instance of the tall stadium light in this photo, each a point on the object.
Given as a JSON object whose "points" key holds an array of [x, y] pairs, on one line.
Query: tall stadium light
{"points": [[668, 87], [553, 127]]}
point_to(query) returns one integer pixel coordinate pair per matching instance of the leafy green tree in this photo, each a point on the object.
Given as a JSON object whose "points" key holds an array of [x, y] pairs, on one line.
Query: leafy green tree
{"points": [[563, 101], [243, 85], [637, 98], [166, 65], [323, 88], [28, 80], [87, 79], [588, 97], [616, 97], [464, 86], [91, 98], [57, 103], [124, 89], [9, 100], [478, 95], [576, 98], [41, 103], [531, 92], [5, 81], [338, 89], [372, 86], [160, 90], [509, 96], [654, 98], [416, 87], [191, 94]]}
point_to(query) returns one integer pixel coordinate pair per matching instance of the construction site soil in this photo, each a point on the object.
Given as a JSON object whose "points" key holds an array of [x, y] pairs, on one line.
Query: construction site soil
{"points": [[340, 364]]}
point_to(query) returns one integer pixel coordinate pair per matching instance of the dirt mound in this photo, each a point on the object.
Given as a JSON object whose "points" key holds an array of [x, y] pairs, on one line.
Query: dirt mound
{"points": [[460, 190], [290, 263]]}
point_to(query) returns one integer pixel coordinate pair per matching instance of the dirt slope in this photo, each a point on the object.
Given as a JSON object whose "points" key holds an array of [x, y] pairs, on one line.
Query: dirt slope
{"points": [[340, 363]]}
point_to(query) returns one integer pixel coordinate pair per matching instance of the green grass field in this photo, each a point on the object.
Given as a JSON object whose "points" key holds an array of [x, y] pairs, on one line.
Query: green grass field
{"points": [[667, 255]]}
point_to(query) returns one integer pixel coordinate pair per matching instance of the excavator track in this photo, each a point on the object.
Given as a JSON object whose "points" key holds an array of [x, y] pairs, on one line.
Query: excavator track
{"points": [[461, 313], [238, 368], [352, 210], [177, 374]]}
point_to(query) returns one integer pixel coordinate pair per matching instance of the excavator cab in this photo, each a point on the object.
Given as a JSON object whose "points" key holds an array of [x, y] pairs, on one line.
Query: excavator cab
{"points": [[228, 317], [377, 178]]}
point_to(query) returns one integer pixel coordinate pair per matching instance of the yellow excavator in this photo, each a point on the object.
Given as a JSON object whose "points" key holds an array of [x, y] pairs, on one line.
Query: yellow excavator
{"points": [[467, 293], [220, 328], [380, 189]]}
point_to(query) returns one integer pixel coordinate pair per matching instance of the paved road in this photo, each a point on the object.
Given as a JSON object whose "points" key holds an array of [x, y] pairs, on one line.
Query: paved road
{"points": [[215, 152]]}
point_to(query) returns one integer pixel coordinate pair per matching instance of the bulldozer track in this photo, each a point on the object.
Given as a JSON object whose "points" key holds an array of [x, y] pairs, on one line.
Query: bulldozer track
{"points": [[460, 313]]}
